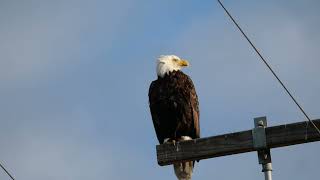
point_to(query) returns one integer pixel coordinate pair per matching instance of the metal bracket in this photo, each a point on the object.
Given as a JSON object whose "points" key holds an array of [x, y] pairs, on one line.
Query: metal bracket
{"points": [[259, 133], [260, 140]]}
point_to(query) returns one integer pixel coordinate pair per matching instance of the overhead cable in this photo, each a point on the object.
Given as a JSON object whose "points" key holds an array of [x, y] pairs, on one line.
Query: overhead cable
{"points": [[269, 67]]}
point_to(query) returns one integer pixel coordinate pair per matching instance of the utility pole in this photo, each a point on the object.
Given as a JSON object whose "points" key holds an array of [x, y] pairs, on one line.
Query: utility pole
{"points": [[260, 139]]}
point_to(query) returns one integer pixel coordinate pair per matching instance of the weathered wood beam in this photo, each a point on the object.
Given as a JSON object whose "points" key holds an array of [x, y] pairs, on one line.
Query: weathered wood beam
{"points": [[235, 143]]}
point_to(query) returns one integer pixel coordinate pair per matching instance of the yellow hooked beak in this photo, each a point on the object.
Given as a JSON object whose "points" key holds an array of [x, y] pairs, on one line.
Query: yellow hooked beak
{"points": [[183, 63]]}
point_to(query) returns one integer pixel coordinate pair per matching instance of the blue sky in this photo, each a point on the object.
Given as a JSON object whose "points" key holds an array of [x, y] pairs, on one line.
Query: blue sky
{"points": [[75, 75]]}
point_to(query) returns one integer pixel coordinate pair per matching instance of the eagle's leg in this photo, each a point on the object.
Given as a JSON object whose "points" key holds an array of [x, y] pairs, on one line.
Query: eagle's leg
{"points": [[169, 140], [166, 140], [185, 138]]}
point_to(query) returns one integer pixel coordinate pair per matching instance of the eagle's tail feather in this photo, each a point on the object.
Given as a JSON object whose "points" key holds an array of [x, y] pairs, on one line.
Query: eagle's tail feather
{"points": [[183, 170]]}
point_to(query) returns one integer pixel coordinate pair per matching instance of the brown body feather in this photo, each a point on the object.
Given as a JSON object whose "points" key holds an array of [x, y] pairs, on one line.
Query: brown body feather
{"points": [[174, 107]]}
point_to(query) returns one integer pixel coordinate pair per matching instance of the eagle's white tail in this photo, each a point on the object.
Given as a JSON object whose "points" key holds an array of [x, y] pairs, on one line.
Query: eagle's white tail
{"points": [[183, 170]]}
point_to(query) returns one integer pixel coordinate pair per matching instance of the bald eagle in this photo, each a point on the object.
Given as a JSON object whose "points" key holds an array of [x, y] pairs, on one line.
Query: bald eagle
{"points": [[174, 107]]}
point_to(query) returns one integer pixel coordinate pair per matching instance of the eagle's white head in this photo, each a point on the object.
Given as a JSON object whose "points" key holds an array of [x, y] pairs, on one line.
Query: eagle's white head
{"points": [[169, 63]]}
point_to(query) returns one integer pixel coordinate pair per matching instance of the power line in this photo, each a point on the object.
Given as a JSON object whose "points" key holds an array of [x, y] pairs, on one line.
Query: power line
{"points": [[269, 67], [6, 171]]}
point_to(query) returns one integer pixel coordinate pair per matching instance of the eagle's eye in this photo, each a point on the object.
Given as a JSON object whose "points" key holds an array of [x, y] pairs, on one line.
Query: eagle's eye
{"points": [[175, 60]]}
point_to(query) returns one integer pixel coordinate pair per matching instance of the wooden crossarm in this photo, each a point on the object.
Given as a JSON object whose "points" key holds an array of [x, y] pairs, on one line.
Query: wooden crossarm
{"points": [[235, 143]]}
